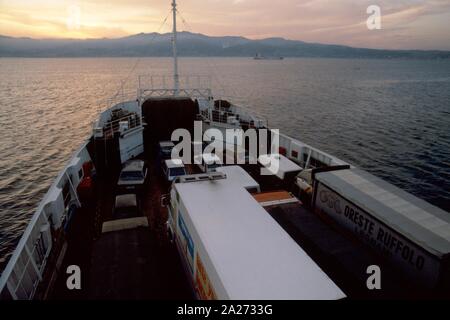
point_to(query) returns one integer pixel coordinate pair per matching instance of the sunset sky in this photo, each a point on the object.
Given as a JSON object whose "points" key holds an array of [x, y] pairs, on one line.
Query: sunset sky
{"points": [[406, 24]]}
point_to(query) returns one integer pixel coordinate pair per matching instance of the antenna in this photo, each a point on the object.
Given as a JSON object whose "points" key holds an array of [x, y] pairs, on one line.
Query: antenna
{"points": [[174, 47]]}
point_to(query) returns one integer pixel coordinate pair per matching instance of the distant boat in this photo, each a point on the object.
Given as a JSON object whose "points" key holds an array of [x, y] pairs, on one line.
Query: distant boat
{"points": [[261, 57]]}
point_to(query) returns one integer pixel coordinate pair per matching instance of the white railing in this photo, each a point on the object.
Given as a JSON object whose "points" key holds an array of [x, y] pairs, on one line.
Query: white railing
{"points": [[193, 86], [31, 260], [304, 154], [188, 93], [152, 82], [221, 114], [110, 127], [25, 269]]}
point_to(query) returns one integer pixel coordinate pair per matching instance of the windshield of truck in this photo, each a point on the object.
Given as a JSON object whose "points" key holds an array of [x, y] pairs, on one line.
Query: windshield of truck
{"points": [[131, 175]]}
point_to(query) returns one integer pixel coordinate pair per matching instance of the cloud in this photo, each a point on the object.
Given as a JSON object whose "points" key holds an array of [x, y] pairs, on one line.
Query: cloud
{"points": [[410, 23]]}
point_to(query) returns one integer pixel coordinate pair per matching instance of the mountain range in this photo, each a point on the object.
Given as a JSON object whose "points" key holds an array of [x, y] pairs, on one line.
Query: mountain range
{"points": [[195, 45]]}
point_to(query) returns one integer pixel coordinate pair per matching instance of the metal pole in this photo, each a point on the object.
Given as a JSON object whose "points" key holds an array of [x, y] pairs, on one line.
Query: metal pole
{"points": [[174, 47]]}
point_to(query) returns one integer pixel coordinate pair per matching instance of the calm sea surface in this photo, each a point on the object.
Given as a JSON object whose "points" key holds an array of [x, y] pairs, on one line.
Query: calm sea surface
{"points": [[391, 118]]}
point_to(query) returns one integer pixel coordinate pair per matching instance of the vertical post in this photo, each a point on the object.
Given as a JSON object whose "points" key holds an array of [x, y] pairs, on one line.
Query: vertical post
{"points": [[139, 89], [11, 290], [174, 47], [308, 159], [33, 263], [73, 188]]}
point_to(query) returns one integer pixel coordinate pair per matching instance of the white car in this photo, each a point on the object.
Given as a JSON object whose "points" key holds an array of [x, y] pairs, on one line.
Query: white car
{"points": [[126, 215], [208, 162], [173, 168], [126, 206], [133, 175]]}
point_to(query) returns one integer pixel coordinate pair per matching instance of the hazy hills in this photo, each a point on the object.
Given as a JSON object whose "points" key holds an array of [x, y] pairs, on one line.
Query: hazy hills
{"points": [[190, 44]]}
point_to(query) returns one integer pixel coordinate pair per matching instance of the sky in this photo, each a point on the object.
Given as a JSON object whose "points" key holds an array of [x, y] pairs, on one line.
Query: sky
{"points": [[404, 24]]}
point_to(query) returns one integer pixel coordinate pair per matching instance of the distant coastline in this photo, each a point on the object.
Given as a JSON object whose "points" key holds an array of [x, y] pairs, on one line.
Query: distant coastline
{"points": [[196, 45]]}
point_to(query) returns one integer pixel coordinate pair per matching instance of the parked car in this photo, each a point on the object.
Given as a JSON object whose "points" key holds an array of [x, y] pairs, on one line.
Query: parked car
{"points": [[126, 206], [173, 168], [126, 215], [133, 175], [165, 149], [208, 162]]}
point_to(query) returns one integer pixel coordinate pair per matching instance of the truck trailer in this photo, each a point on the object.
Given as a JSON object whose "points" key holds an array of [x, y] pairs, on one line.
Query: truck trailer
{"points": [[411, 233], [233, 249]]}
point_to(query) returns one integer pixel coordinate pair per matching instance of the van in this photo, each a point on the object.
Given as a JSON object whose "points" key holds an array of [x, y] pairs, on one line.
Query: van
{"points": [[173, 168]]}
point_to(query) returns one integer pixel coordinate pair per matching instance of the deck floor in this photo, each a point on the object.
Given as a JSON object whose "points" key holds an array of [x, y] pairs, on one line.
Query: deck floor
{"points": [[132, 264], [135, 264]]}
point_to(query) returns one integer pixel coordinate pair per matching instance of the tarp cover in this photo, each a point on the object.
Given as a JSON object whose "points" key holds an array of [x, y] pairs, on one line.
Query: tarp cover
{"points": [[422, 223]]}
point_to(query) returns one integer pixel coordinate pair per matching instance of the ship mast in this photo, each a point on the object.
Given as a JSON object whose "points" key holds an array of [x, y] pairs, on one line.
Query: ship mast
{"points": [[174, 47]]}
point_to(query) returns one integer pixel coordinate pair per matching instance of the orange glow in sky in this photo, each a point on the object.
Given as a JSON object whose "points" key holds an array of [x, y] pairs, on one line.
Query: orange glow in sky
{"points": [[406, 24]]}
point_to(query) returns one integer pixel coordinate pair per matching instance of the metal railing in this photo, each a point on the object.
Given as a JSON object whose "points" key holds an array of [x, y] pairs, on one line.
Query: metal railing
{"points": [[167, 82], [25, 269], [29, 266], [236, 114], [111, 127], [193, 86], [189, 93]]}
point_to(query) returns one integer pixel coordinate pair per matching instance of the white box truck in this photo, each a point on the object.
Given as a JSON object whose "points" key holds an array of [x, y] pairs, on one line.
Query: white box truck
{"points": [[233, 249]]}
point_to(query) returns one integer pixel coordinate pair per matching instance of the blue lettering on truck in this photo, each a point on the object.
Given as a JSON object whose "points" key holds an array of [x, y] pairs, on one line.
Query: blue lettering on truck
{"points": [[188, 240]]}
